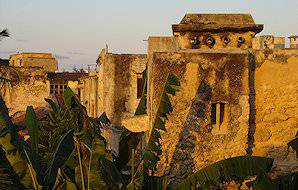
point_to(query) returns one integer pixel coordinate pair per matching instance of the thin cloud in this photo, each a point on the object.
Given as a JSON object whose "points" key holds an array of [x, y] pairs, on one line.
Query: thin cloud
{"points": [[57, 56], [77, 53], [9, 52], [22, 40]]}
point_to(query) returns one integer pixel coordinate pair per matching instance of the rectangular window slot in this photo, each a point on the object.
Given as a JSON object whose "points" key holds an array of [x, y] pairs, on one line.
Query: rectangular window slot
{"points": [[218, 117], [140, 86]]}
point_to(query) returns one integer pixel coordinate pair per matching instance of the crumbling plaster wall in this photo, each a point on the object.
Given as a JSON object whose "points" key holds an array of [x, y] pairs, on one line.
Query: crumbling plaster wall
{"points": [[29, 91], [120, 84], [189, 143], [276, 88], [44, 60]]}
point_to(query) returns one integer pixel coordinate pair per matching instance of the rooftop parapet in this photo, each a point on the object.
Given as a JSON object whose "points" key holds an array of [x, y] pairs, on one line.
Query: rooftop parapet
{"points": [[217, 23], [216, 31]]}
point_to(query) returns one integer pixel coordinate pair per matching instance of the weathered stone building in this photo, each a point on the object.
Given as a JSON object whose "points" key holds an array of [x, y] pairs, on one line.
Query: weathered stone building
{"points": [[293, 41], [234, 99], [268, 42], [60, 81], [28, 84], [34, 78], [26, 59], [30, 88], [116, 87]]}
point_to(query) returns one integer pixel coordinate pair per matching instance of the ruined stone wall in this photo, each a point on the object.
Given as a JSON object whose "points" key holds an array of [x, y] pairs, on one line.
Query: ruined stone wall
{"points": [[100, 90], [268, 42], [119, 84], [44, 60], [294, 42], [162, 44], [48, 64], [29, 91], [276, 88], [191, 142]]}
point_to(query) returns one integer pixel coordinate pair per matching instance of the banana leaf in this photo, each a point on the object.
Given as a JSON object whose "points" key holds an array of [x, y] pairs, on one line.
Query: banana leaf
{"points": [[128, 142], [227, 170], [13, 146], [110, 174], [8, 178], [32, 125], [153, 151], [52, 104], [61, 155]]}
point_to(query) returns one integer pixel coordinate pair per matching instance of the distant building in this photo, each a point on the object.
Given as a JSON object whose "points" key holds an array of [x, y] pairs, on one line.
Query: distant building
{"points": [[60, 81], [268, 42], [293, 42], [43, 60], [117, 86]]}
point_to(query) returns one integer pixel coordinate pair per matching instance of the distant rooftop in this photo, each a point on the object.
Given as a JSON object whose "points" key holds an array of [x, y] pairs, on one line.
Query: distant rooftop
{"points": [[32, 54], [217, 22], [217, 19], [65, 76], [294, 36]]}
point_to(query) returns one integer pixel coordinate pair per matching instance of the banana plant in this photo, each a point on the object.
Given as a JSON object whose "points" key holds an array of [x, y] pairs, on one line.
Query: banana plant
{"points": [[26, 155], [130, 140], [240, 168], [237, 168]]}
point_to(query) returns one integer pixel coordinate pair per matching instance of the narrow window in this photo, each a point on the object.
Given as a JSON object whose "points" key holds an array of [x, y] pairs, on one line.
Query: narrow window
{"points": [[217, 113], [222, 113], [213, 114], [79, 93], [140, 86]]}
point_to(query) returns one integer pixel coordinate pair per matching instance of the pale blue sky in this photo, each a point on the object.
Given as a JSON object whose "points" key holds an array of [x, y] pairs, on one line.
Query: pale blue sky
{"points": [[76, 30]]}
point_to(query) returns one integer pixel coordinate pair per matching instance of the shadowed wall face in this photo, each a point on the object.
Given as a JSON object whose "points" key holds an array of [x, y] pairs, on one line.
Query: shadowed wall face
{"points": [[209, 82]]}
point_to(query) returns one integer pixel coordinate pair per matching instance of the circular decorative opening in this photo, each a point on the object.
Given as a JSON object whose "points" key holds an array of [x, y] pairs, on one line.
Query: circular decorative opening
{"points": [[210, 41], [226, 40], [241, 40], [195, 41]]}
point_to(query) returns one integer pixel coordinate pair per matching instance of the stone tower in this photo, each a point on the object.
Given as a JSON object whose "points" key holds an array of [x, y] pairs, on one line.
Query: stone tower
{"points": [[216, 31]]}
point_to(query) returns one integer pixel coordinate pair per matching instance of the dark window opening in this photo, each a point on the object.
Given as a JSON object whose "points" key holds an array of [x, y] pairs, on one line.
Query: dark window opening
{"points": [[140, 86], [213, 114], [222, 113], [79, 93]]}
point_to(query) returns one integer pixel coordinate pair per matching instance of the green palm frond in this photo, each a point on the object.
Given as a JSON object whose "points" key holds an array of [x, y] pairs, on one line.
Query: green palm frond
{"points": [[153, 150], [226, 170]]}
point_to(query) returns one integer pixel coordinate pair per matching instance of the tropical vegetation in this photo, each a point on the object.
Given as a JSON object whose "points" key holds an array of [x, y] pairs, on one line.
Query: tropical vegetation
{"points": [[66, 150]]}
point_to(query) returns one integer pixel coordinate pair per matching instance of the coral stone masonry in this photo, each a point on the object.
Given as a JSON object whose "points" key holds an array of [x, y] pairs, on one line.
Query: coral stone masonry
{"points": [[238, 93]]}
